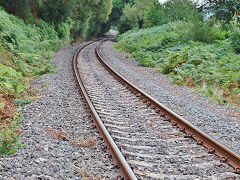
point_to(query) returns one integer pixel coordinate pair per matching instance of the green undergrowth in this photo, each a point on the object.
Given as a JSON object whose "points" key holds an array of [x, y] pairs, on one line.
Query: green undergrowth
{"points": [[25, 52], [9, 136], [203, 58]]}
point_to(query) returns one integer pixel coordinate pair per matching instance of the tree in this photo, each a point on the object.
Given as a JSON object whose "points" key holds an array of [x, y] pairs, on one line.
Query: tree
{"points": [[221, 9], [85, 17], [89, 18], [48, 10], [20, 8], [100, 12], [133, 15], [155, 15], [173, 10], [56, 11], [181, 9], [118, 6]]}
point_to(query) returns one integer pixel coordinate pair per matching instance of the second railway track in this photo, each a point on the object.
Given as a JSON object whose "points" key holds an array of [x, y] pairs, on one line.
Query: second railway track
{"points": [[153, 147]]}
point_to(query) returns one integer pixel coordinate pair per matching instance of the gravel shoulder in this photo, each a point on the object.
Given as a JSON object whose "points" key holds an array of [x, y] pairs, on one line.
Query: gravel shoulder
{"points": [[60, 108], [220, 121]]}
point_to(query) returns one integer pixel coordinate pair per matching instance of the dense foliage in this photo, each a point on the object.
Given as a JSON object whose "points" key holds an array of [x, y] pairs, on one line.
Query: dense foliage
{"points": [[158, 14], [197, 45], [27, 43], [25, 50], [151, 13], [118, 6], [84, 18], [28, 38], [133, 15], [235, 33], [211, 66], [221, 9]]}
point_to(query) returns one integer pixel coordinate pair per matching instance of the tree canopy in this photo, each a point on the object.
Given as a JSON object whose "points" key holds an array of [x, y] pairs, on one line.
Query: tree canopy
{"points": [[85, 17], [222, 9]]}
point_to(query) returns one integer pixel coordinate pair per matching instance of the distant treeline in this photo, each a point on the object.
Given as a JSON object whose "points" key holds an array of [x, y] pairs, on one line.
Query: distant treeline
{"points": [[197, 46], [132, 14], [84, 18]]}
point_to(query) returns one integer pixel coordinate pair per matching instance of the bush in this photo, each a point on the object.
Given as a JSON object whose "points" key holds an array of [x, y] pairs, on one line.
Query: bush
{"points": [[235, 33], [133, 15], [63, 31], [9, 135], [185, 56], [25, 50], [170, 11], [31, 43], [11, 81], [201, 31]]}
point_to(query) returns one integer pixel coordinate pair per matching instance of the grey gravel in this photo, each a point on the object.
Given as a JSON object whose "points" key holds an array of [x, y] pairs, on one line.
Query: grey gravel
{"points": [[151, 145], [218, 120], [60, 106]]}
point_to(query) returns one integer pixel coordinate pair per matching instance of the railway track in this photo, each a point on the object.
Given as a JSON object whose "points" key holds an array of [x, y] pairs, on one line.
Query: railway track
{"points": [[146, 139]]}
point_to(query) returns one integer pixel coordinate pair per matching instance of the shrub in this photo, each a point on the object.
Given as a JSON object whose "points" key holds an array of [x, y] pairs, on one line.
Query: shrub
{"points": [[63, 31], [170, 11], [21, 102], [9, 135], [24, 52], [212, 68], [201, 31], [235, 33], [133, 15], [11, 81]]}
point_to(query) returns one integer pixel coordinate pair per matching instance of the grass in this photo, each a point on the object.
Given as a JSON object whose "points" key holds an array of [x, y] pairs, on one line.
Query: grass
{"points": [[9, 135]]}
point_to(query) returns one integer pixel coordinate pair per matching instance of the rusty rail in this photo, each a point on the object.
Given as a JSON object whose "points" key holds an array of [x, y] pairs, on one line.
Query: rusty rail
{"points": [[225, 153], [125, 169]]}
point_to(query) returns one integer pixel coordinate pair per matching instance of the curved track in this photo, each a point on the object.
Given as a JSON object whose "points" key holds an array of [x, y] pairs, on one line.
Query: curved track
{"points": [[143, 128]]}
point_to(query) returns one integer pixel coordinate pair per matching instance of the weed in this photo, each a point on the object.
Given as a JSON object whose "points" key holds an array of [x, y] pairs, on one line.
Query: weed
{"points": [[58, 135], [62, 135], [9, 135], [21, 102], [149, 124], [85, 174], [87, 142], [2, 105], [235, 34]]}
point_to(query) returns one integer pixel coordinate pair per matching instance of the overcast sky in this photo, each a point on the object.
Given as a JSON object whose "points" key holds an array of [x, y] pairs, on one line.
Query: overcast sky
{"points": [[162, 1]]}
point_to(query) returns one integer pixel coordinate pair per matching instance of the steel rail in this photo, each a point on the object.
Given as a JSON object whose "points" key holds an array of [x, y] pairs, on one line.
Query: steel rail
{"points": [[225, 153], [126, 170]]}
